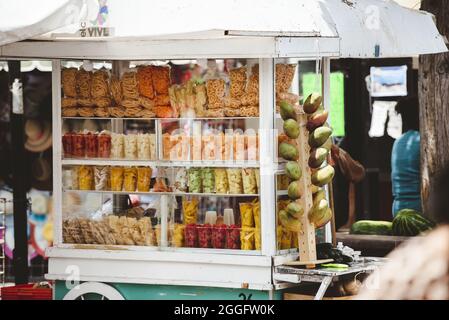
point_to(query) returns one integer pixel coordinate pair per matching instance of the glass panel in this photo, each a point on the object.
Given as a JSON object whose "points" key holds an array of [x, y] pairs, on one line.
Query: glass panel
{"points": [[151, 146]]}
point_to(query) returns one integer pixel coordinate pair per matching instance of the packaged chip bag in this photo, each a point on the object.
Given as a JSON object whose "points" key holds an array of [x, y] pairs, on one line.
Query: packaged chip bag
{"points": [[190, 210], [235, 181], [86, 178], [249, 181], [295, 242], [221, 181], [143, 179], [257, 240], [208, 180], [246, 214], [116, 178], [247, 238], [178, 235], [195, 181], [130, 179], [256, 213], [286, 240]]}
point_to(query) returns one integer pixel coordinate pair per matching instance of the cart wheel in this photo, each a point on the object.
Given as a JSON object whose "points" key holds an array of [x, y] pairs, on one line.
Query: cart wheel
{"points": [[93, 291]]}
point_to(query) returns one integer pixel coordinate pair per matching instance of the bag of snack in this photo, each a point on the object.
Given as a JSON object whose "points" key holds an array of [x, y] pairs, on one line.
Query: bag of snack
{"points": [[249, 181], [116, 178], [221, 181], [130, 179], [208, 180], [247, 238], [195, 180], [190, 210], [246, 214], [235, 181]]}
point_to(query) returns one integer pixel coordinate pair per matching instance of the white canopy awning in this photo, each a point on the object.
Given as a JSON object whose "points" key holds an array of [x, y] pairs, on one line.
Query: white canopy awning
{"points": [[368, 28]]}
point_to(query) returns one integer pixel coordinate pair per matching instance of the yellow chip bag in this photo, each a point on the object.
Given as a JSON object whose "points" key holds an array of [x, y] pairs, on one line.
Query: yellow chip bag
{"points": [[246, 214]]}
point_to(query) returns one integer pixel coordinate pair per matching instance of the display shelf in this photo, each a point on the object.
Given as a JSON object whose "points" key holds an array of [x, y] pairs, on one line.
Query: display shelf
{"points": [[179, 194], [160, 163], [162, 119]]}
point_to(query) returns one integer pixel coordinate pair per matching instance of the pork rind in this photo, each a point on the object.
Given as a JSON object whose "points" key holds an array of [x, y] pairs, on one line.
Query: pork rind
{"points": [[249, 181], [215, 93], [129, 86], [221, 181], [250, 111], [68, 82], [117, 145], [152, 139], [83, 83], [100, 84], [145, 81], [130, 146], [235, 181]]}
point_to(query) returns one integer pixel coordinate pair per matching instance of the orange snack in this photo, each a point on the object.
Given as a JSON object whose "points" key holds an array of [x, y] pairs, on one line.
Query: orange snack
{"points": [[145, 81], [161, 79], [163, 111]]}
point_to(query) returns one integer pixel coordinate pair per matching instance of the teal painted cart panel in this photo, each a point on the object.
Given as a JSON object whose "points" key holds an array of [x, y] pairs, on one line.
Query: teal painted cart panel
{"points": [[167, 292]]}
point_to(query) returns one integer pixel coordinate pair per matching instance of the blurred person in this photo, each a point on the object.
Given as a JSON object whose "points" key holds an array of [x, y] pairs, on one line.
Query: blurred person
{"points": [[405, 159], [419, 268]]}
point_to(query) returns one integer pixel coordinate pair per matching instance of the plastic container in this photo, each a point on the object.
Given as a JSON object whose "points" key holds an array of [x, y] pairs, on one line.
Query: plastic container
{"points": [[78, 143], [67, 144], [26, 292]]}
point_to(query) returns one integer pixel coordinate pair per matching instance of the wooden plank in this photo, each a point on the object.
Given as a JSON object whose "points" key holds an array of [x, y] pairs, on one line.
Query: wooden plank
{"points": [[307, 245]]}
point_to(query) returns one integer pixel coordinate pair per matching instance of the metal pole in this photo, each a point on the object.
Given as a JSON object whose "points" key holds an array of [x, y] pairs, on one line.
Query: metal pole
{"points": [[20, 202]]}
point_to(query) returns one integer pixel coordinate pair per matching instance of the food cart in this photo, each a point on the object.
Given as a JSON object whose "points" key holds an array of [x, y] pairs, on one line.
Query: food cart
{"points": [[172, 188]]}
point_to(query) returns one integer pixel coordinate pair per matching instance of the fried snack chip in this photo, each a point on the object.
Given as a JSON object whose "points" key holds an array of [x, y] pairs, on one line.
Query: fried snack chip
{"points": [[161, 79], [246, 214], [190, 210], [145, 81], [162, 100], [117, 112], [69, 102], [116, 90], [215, 93], [70, 112], [85, 102], [117, 178], [129, 86], [163, 111], [100, 84], [221, 181], [249, 181], [146, 103], [235, 181], [68, 82], [247, 237], [86, 112], [102, 102], [83, 83], [130, 179], [143, 179], [101, 112], [85, 178]]}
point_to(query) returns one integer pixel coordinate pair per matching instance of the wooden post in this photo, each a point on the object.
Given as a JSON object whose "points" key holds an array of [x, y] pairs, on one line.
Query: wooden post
{"points": [[434, 109], [306, 238]]}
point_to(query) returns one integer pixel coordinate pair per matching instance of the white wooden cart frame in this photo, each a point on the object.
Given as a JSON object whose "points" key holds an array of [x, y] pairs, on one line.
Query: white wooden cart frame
{"points": [[197, 267]]}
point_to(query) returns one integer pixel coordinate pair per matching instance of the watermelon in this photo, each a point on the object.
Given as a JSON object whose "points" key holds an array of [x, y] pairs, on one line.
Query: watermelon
{"points": [[370, 227], [410, 223]]}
